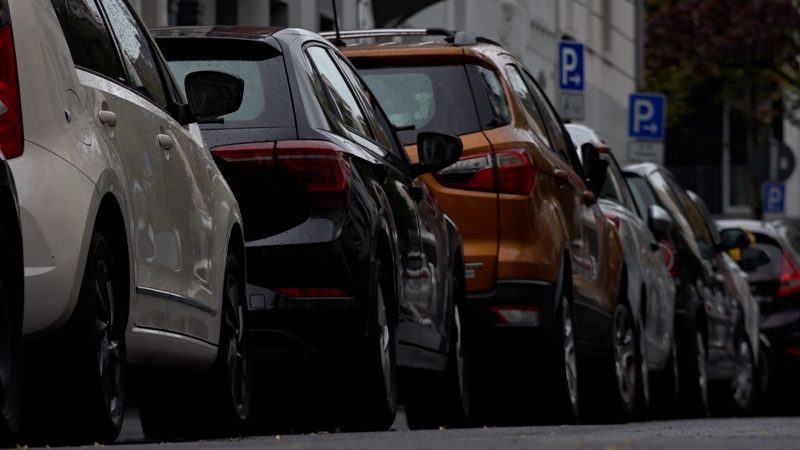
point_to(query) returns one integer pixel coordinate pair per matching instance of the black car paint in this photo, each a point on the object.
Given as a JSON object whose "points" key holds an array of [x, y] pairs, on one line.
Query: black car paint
{"points": [[701, 295], [339, 247]]}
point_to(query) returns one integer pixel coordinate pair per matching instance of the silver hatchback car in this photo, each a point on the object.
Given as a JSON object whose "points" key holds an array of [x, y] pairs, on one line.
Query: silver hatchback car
{"points": [[133, 244]]}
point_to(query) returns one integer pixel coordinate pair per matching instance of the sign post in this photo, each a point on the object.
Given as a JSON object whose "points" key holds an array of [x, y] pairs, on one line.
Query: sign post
{"points": [[571, 80], [646, 127]]}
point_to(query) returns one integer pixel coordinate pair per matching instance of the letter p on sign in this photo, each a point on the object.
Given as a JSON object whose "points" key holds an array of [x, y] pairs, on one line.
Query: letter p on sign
{"points": [[646, 116]]}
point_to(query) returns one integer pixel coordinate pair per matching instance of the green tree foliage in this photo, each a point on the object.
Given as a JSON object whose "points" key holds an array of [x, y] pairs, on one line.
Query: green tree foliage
{"points": [[747, 47]]}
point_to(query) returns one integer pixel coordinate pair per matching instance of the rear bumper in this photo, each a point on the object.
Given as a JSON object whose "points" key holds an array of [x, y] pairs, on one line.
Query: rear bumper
{"points": [[780, 322], [490, 332], [284, 326]]}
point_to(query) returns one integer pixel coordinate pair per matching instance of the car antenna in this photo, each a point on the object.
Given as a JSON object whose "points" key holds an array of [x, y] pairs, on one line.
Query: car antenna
{"points": [[338, 41]]}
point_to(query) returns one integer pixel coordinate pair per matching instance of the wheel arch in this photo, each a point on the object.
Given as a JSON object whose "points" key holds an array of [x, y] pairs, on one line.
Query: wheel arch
{"points": [[110, 220]]}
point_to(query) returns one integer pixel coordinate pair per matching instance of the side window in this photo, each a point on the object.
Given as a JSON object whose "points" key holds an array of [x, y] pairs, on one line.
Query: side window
{"points": [[560, 142], [88, 39], [343, 106], [137, 53], [380, 125], [493, 106], [524, 95], [611, 188]]}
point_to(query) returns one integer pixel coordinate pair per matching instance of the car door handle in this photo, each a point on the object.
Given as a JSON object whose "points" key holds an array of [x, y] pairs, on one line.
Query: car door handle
{"points": [[562, 176], [165, 141], [107, 118]]}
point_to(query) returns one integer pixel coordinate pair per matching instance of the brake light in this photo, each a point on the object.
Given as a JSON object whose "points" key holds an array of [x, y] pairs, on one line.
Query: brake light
{"points": [[614, 220], [789, 277], [10, 107], [321, 168], [507, 172]]}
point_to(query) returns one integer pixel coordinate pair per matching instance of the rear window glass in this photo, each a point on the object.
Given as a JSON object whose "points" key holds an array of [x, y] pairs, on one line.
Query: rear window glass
{"points": [[267, 100], [433, 98]]}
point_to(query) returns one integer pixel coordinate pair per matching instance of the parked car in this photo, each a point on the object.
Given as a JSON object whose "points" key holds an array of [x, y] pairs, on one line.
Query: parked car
{"points": [[545, 271], [134, 252], [350, 258], [11, 262], [651, 290], [771, 257], [716, 334]]}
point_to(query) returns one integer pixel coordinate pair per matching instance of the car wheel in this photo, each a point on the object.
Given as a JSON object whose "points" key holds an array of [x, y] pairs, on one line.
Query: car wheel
{"points": [[10, 347], [214, 404], [626, 364], [85, 403], [373, 403], [665, 386], [693, 371], [559, 386], [435, 399], [738, 395]]}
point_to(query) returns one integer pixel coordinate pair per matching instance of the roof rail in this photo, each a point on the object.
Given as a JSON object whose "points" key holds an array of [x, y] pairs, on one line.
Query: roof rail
{"points": [[458, 38]]}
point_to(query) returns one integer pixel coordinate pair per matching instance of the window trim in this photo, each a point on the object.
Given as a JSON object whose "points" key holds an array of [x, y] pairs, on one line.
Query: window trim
{"points": [[169, 91]]}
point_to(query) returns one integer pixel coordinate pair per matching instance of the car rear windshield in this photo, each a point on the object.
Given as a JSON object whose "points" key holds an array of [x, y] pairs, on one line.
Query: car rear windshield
{"points": [[454, 99], [267, 100]]}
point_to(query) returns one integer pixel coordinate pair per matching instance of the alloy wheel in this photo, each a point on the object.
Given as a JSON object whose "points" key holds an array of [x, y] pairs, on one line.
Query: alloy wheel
{"points": [[702, 376], [742, 384], [109, 353], [236, 360], [386, 357], [625, 354], [570, 359]]}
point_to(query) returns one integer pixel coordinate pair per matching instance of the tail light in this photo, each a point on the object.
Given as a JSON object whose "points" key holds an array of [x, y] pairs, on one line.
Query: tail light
{"points": [[506, 171], [668, 252], [789, 277], [319, 167], [614, 220], [10, 106]]}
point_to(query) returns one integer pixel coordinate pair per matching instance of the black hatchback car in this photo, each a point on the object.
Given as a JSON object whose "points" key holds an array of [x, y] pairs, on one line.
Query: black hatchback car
{"points": [[350, 259]]}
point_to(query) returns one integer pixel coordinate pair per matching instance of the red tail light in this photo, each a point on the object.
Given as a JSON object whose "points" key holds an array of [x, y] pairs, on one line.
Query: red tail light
{"points": [[10, 107], [312, 292], [320, 167], [614, 220], [507, 172], [789, 278]]}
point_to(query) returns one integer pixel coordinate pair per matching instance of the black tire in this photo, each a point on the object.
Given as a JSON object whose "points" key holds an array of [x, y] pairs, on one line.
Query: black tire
{"points": [[442, 399], [557, 398], [692, 369], [738, 396], [372, 403], [665, 387], [216, 403], [11, 363], [77, 389]]}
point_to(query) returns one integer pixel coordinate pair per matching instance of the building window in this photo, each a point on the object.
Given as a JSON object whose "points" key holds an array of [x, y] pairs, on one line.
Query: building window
{"points": [[325, 23]]}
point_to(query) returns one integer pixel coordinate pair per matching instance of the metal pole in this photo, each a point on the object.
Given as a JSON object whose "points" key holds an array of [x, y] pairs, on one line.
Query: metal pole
{"points": [[640, 41]]}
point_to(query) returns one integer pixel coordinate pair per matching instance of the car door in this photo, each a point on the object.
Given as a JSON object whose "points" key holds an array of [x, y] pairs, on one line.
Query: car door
{"points": [[396, 185], [431, 263], [116, 109], [589, 255], [184, 228]]}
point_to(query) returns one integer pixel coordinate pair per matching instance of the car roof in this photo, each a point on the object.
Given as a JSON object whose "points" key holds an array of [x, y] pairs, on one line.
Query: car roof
{"points": [[228, 32], [641, 169], [756, 226]]}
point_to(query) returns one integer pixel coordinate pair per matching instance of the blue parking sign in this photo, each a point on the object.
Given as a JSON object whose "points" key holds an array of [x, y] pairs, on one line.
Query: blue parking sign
{"points": [[570, 66], [646, 114], [774, 197]]}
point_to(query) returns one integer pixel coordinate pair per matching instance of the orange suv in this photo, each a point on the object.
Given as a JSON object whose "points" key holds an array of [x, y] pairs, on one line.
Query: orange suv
{"points": [[545, 271]]}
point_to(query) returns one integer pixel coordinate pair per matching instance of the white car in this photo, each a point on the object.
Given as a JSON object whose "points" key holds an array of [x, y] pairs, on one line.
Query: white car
{"points": [[651, 290], [133, 240]]}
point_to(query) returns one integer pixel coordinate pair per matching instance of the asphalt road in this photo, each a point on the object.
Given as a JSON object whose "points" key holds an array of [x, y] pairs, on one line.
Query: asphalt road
{"points": [[728, 434]]}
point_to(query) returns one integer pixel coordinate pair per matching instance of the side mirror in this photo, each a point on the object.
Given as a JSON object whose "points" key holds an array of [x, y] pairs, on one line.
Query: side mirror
{"points": [[594, 168], [436, 151], [213, 94], [659, 221]]}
